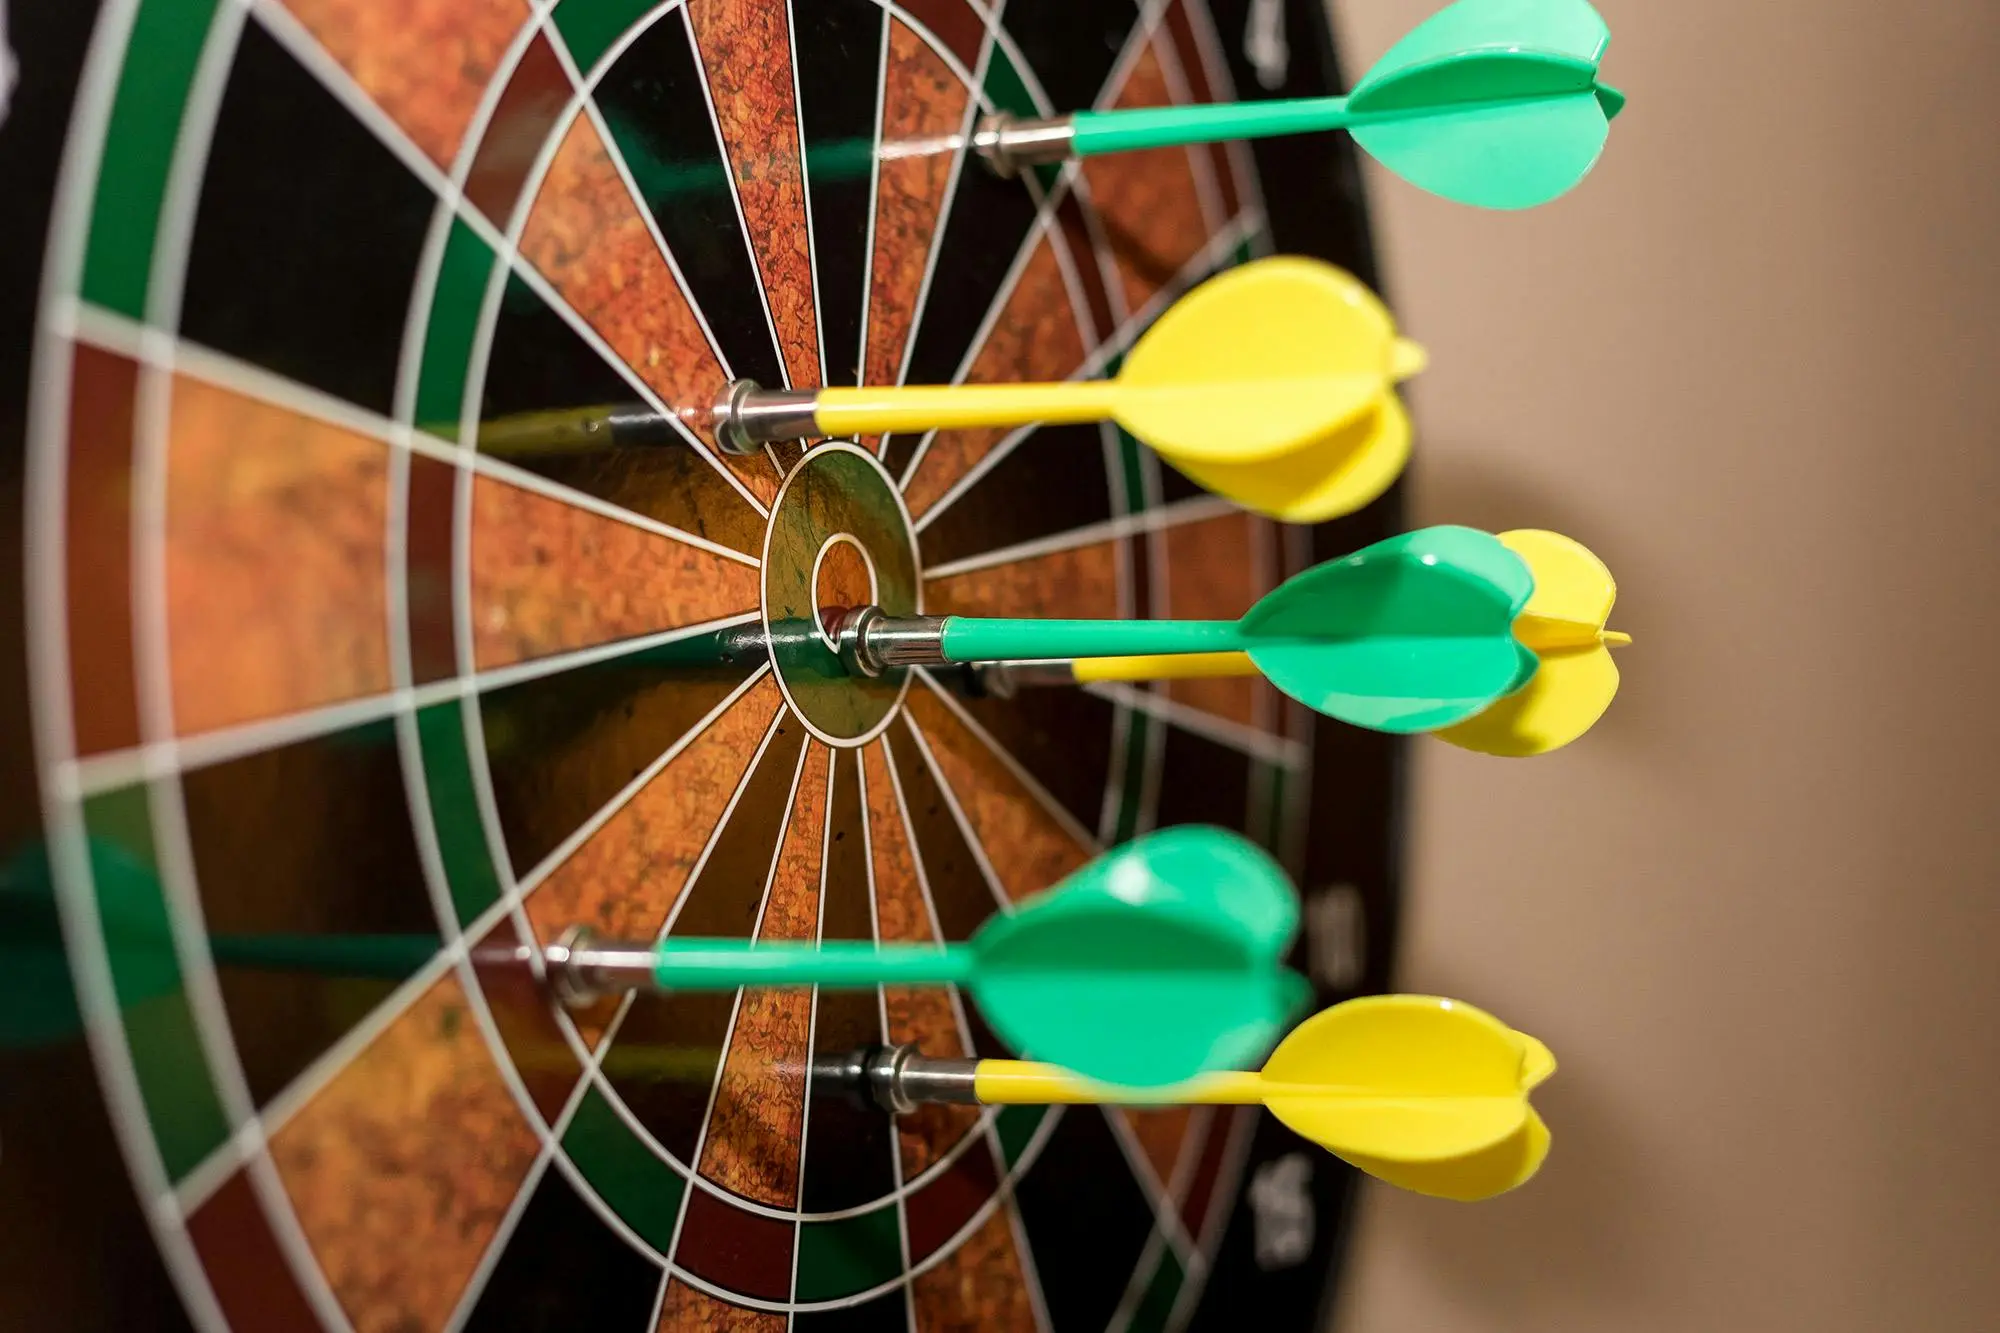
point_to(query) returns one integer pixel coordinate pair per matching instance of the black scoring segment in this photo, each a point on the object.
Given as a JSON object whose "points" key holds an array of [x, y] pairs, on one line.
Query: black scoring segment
{"points": [[1086, 1241], [1070, 45], [656, 106], [564, 1268], [539, 364], [723, 900], [989, 222], [664, 1060], [958, 887], [1202, 782], [1175, 486], [662, 1064], [304, 847], [1052, 482], [839, 73], [559, 748], [1062, 736], [306, 240], [849, 1148]]}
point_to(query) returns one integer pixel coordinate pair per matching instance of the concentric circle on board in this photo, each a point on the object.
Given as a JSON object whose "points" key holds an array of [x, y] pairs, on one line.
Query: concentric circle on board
{"points": [[838, 528], [315, 656]]}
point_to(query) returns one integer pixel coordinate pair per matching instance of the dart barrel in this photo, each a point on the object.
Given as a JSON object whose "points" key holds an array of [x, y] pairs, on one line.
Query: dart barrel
{"points": [[1007, 144], [583, 969]]}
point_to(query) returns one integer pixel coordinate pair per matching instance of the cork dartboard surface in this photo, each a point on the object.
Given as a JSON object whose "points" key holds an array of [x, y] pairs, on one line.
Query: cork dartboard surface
{"points": [[302, 646]]}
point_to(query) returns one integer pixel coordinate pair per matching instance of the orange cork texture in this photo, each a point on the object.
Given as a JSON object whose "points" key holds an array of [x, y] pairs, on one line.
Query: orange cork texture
{"points": [[922, 104], [746, 51], [550, 577], [752, 1146], [980, 1285], [921, 1016], [402, 1167], [1028, 848], [687, 1309], [625, 879], [276, 589], [1148, 201], [1035, 338], [587, 236], [425, 62]]}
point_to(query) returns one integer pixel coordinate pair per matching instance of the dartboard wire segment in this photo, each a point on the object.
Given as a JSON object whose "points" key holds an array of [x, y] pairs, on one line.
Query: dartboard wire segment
{"points": [[913, 917], [551, 44], [377, 680], [481, 191]]}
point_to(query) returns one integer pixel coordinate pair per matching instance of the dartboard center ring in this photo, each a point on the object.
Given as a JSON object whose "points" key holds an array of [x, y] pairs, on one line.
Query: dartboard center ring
{"points": [[843, 577], [839, 536]]}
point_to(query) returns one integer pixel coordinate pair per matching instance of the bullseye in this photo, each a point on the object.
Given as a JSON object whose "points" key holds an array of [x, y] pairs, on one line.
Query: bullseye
{"points": [[843, 577], [839, 537]]}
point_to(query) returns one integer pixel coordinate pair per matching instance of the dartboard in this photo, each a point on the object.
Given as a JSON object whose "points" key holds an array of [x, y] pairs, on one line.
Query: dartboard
{"points": [[383, 583]]}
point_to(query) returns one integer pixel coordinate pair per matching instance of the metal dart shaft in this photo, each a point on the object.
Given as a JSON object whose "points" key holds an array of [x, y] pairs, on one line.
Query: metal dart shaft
{"points": [[1006, 144], [902, 1078], [872, 641]]}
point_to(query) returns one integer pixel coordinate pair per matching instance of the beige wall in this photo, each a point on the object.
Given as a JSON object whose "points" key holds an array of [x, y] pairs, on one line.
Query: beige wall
{"points": [[1753, 363]]}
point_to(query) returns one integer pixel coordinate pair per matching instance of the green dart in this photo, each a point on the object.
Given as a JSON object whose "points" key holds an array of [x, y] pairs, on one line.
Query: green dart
{"points": [[1411, 634], [1158, 961], [1494, 103]]}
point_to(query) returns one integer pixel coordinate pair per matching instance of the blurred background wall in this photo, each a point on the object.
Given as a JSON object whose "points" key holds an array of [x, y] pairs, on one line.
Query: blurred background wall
{"points": [[1752, 362]]}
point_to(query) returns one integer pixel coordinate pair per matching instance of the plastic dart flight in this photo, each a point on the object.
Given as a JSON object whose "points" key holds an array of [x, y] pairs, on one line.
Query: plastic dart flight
{"points": [[1273, 384], [1411, 634], [1158, 961], [1494, 103], [1429, 1094], [1562, 624]]}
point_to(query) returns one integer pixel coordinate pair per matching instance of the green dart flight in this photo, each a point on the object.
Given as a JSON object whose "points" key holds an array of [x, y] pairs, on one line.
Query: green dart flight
{"points": [[1160, 960], [1411, 634], [1494, 103]]}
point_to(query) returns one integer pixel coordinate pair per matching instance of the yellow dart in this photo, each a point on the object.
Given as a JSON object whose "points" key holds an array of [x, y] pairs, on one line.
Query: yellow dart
{"points": [[1273, 384], [1574, 683], [1426, 1093], [1563, 624]]}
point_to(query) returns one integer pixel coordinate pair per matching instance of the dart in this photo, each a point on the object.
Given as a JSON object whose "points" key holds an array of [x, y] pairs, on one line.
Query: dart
{"points": [[1426, 1093], [1562, 625], [1156, 962], [1272, 384], [1494, 103], [562, 431], [1410, 634]]}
